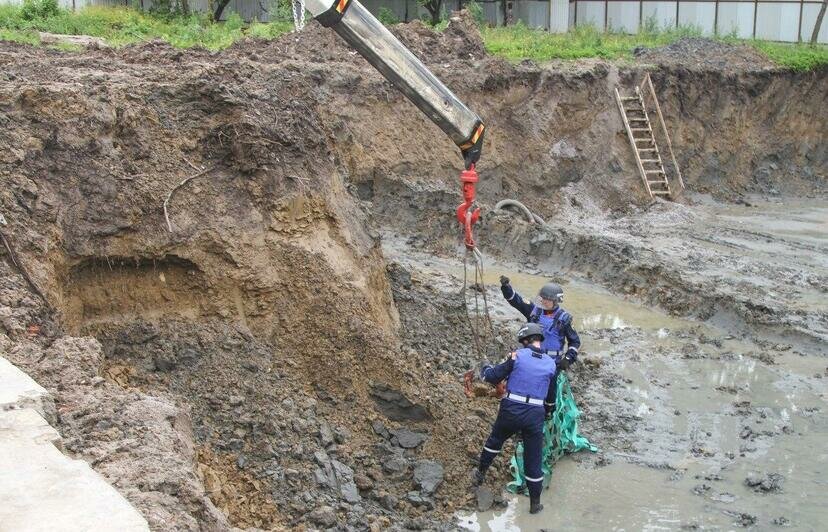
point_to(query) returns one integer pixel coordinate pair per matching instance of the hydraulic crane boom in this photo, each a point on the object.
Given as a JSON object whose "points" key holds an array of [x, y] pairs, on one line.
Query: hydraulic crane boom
{"points": [[358, 27]]}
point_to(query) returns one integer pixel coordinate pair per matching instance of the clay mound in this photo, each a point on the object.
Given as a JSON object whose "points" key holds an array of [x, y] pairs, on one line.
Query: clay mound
{"points": [[460, 40], [705, 54]]}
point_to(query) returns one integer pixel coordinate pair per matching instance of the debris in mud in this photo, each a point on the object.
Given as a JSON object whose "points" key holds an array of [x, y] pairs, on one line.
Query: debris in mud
{"points": [[724, 497], [744, 520], [781, 521], [701, 489], [767, 483]]}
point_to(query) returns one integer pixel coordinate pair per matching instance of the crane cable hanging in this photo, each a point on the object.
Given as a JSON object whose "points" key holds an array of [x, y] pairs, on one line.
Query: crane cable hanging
{"points": [[481, 326]]}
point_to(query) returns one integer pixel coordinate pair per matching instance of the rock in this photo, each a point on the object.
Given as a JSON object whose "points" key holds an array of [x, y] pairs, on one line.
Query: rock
{"points": [[388, 501], [345, 479], [485, 498], [743, 519], [326, 435], [341, 435], [769, 483], [74, 40], [323, 516], [363, 483], [418, 499], [397, 407], [350, 492], [164, 363], [379, 429], [236, 400], [408, 439], [781, 521], [724, 497], [428, 475], [701, 489], [321, 458]]}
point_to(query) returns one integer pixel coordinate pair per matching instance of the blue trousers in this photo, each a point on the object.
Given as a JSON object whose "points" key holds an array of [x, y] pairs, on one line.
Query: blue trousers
{"points": [[514, 417]]}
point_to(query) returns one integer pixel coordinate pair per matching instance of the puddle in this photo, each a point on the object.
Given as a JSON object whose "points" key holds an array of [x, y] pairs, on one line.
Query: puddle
{"points": [[707, 419], [693, 428]]}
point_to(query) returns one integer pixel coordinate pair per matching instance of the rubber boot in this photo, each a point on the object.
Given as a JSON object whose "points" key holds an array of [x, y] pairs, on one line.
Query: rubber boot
{"points": [[478, 477], [535, 505]]}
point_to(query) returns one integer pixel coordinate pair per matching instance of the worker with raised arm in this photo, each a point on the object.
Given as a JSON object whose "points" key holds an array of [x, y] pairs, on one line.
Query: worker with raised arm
{"points": [[559, 336], [530, 373]]}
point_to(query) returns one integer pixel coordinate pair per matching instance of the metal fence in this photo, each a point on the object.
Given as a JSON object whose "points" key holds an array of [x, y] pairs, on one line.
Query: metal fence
{"points": [[775, 20]]}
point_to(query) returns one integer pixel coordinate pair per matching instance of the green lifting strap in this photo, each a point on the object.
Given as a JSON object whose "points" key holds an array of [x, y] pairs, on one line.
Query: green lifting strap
{"points": [[560, 436]]}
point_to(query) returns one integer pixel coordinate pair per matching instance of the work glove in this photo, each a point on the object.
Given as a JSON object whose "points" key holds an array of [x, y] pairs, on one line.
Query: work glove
{"points": [[563, 363], [504, 281]]}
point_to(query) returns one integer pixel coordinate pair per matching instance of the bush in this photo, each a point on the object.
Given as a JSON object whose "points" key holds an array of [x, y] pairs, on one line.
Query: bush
{"points": [[476, 12], [39, 9], [387, 17]]}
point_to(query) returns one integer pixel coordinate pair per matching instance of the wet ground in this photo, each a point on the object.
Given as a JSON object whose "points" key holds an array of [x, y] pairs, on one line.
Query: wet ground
{"points": [[722, 428]]}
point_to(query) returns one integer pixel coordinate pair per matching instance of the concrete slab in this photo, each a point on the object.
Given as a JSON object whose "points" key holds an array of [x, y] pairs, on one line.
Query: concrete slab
{"points": [[18, 390], [40, 487]]}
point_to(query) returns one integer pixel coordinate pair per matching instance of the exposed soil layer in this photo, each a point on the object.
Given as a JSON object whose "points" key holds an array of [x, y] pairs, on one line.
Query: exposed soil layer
{"points": [[260, 363]]}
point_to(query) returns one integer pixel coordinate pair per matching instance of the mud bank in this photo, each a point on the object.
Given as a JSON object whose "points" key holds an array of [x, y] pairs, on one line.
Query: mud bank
{"points": [[252, 359]]}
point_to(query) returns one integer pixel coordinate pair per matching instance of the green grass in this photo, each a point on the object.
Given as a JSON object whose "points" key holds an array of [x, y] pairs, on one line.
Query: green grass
{"points": [[519, 42], [795, 56], [119, 26]]}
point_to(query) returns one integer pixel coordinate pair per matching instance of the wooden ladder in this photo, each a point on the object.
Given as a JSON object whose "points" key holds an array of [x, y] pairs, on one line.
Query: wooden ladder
{"points": [[643, 141]]}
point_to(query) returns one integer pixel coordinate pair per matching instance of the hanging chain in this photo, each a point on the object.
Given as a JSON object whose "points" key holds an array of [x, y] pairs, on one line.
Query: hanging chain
{"points": [[481, 321], [298, 14]]}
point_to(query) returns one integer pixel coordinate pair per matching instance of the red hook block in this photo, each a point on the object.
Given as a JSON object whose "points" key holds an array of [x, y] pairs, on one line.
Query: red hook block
{"points": [[467, 213]]}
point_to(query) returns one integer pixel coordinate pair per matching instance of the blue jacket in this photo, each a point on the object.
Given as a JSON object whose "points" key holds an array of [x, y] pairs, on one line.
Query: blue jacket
{"points": [[531, 373], [562, 335]]}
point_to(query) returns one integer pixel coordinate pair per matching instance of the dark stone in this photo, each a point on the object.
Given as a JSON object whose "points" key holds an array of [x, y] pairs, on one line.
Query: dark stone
{"points": [[428, 476], [388, 501], [768, 483], [380, 429], [408, 439], [164, 363], [485, 498], [326, 435], [397, 407], [419, 500], [701, 489]]}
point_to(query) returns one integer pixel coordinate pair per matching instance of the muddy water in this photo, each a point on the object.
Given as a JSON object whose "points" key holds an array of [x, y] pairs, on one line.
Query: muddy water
{"points": [[708, 412], [692, 457], [708, 419]]}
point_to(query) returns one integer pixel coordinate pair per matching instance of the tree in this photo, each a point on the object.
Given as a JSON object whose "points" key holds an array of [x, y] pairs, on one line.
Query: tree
{"points": [[434, 8], [818, 23]]}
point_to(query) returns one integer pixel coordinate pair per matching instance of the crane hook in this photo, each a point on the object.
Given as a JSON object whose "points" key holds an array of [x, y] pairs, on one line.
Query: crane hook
{"points": [[467, 213]]}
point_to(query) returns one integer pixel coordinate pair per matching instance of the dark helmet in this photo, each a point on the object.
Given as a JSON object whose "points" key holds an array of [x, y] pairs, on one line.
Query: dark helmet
{"points": [[529, 330], [550, 294]]}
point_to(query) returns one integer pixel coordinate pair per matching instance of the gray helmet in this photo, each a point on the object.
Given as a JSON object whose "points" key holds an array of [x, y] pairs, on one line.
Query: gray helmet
{"points": [[549, 295], [529, 330]]}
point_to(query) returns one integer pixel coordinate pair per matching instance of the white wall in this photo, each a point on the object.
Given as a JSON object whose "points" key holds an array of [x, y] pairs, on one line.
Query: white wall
{"points": [[775, 20]]}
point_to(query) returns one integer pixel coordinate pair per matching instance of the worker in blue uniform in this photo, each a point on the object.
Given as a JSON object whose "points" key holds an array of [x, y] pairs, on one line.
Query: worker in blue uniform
{"points": [[559, 337], [529, 398]]}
